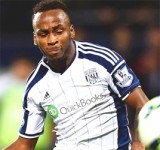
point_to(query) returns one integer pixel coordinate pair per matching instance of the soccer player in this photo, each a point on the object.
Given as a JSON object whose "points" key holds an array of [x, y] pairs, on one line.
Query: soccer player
{"points": [[83, 86]]}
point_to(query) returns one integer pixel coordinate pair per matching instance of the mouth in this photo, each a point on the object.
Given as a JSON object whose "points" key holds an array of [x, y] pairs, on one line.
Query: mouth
{"points": [[54, 50]]}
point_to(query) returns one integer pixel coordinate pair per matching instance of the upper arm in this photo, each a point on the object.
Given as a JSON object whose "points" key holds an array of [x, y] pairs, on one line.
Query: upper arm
{"points": [[137, 98], [34, 115], [23, 144]]}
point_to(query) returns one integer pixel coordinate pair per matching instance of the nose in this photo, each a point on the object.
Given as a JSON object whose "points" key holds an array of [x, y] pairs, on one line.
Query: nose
{"points": [[52, 39]]}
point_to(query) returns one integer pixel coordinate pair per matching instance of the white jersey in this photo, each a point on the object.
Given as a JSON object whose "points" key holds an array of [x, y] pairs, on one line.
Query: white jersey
{"points": [[86, 101]]}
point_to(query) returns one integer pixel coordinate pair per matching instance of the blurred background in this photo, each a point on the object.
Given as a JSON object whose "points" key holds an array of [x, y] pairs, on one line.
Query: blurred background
{"points": [[130, 27]]}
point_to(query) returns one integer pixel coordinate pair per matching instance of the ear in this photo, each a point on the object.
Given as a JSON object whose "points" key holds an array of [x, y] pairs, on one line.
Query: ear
{"points": [[34, 39], [72, 31]]}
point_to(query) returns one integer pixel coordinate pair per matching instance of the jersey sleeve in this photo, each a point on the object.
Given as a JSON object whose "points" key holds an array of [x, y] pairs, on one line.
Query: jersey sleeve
{"points": [[124, 78], [33, 118]]}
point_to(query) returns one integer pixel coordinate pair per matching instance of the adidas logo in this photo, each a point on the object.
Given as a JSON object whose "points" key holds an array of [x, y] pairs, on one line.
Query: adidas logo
{"points": [[46, 96]]}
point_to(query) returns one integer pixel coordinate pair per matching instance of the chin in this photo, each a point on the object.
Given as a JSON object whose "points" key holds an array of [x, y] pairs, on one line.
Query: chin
{"points": [[57, 59]]}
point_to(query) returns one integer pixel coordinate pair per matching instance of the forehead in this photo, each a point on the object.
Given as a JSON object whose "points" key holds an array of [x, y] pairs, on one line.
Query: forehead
{"points": [[50, 17]]}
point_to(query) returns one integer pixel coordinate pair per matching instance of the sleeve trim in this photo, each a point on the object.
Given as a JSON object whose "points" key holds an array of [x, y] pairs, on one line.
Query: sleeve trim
{"points": [[133, 87], [117, 66], [30, 136]]}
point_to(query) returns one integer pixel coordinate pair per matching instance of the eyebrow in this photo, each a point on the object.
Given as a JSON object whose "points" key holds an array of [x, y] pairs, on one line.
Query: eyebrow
{"points": [[57, 26]]}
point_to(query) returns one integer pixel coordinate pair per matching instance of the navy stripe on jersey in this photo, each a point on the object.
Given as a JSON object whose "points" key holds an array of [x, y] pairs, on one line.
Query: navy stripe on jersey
{"points": [[96, 57], [33, 71], [91, 51], [30, 76], [123, 131], [39, 75], [24, 126], [103, 56], [109, 53]]}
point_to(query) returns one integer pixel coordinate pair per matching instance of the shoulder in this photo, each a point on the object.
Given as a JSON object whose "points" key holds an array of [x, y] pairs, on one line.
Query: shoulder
{"points": [[36, 76], [34, 85], [100, 54]]}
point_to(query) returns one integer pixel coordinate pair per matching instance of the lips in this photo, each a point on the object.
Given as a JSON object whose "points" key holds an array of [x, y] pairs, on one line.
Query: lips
{"points": [[54, 50]]}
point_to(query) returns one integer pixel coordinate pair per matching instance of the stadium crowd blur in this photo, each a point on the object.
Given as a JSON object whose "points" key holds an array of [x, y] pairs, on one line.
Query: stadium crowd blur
{"points": [[130, 27]]}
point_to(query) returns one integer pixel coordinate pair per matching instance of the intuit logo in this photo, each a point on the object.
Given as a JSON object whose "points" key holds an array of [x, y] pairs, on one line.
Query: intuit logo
{"points": [[82, 103], [53, 111]]}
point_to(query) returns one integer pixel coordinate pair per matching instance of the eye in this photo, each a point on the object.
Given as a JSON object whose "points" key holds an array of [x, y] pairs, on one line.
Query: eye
{"points": [[59, 31], [42, 33]]}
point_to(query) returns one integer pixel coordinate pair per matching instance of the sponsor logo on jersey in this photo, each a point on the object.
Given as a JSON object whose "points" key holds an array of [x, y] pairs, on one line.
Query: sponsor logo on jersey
{"points": [[82, 103], [46, 96], [53, 111], [91, 75], [124, 77]]}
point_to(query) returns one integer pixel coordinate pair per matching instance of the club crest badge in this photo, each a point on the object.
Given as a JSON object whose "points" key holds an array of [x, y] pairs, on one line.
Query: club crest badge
{"points": [[91, 76], [124, 77]]}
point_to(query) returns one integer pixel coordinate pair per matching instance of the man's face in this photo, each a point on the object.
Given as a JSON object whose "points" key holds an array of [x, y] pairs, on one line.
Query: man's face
{"points": [[53, 34]]}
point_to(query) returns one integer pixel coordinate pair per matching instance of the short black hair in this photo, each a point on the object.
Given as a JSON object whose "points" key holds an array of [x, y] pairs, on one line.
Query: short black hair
{"points": [[45, 5]]}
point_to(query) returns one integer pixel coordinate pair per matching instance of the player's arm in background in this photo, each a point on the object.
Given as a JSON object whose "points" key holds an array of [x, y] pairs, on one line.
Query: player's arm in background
{"points": [[136, 100], [23, 144]]}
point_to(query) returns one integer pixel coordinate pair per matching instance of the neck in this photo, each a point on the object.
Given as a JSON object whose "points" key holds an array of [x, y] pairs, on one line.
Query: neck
{"points": [[60, 65]]}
